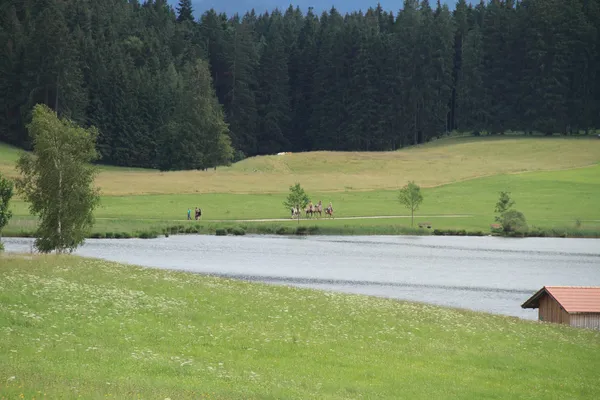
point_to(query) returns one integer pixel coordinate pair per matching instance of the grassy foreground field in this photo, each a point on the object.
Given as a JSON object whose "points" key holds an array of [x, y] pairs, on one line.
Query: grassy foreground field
{"points": [[362, 184], [81, 328]]}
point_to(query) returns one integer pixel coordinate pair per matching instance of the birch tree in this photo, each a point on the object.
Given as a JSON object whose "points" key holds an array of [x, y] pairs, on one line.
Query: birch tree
{"points": [[6, 193], [410, 196], [57, 180]]}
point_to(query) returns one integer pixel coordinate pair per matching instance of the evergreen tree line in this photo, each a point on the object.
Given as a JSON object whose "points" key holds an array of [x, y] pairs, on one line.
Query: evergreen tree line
{"points": [[170, 91]]}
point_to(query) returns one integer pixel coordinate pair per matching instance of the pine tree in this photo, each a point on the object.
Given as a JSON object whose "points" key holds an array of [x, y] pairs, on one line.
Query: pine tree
{"points": [[409, 56], [240, 100], [500, 65], [360, 81], [462, 27], [196, 136], [304, 58], [329, 85], [273, 92], [470, 98], [185, 11]]}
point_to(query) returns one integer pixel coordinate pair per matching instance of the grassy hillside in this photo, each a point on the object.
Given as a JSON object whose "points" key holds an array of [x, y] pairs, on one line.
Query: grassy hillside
{"points": [[441, 162], [550, 199], [72, 327]]}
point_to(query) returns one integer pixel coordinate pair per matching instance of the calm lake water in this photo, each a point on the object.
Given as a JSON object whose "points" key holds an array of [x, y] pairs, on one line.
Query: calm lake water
{"points": [[480, 273]]}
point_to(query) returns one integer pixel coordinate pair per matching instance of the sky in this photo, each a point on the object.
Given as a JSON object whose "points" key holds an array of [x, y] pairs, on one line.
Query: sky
{"points": [[241, 6]]}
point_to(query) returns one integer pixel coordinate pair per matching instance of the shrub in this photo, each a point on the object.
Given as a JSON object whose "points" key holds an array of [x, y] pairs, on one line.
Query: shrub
{"points": [[282, 230], [514, 222], [265, 229], [109, 235], [1, 247], [238, 231], [125, 235], [301, 230], [536, 232], [497, 228], [148, 235], [221, 232], [476, 233]]}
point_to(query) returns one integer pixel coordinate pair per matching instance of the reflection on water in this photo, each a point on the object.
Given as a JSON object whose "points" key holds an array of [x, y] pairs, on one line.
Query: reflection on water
{"points": [[480, 273]]}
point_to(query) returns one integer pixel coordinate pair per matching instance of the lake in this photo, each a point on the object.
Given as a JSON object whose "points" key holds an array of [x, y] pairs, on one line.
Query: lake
{"points": [[489, 274]]}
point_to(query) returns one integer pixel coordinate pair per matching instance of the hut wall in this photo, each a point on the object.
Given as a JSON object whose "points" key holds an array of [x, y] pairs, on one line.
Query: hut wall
{"points": [[551, 311], [590, 320]]}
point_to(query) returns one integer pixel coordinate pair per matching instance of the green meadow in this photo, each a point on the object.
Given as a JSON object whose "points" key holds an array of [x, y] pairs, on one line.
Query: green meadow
{"points": [[83, 328], [557, 199], [462, 178]]}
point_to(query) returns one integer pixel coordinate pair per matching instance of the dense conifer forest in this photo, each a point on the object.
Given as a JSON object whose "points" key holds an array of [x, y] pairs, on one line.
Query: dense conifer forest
{"points": [[170, 91]]}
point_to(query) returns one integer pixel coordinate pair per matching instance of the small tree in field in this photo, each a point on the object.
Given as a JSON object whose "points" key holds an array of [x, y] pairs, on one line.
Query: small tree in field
{"points": [[512, 221], [296, 198], [6, 193], [57, 180], [410, 196], [503, 205]]}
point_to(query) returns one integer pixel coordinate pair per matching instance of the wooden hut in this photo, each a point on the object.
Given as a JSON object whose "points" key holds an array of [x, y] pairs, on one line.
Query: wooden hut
{"points": [[578, 306]]}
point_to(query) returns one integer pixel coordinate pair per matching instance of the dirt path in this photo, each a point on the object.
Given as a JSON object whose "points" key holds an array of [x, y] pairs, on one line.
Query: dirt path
{"points": [[307, 219]]}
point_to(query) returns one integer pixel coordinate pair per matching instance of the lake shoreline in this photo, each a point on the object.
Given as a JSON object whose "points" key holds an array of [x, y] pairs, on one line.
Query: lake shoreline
{"points": [[240, 229]]}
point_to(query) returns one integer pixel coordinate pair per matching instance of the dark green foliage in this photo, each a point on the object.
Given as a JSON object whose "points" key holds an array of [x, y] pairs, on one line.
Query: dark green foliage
{"points": [[503, 204], [133, 71], [6, 193], [148, 235], [273, 91], [238, 231], [514, 222], [185, 12], [456, 232], [282, 230], [302, 230], [149, 77]]}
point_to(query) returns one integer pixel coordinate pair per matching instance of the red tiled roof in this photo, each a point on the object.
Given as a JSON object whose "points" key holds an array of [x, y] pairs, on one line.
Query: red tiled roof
{"points": [[574, 299]]}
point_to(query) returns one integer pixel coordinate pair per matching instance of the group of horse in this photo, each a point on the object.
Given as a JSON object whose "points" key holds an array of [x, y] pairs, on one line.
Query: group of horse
{"points": [[313, 210]]}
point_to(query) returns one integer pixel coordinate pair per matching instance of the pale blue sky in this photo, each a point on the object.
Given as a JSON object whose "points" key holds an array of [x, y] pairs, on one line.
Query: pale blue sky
{"points": [[241, 6]]}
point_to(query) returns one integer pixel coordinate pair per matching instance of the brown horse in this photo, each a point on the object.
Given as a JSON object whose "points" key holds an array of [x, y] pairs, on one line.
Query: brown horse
{"points": [[318, 209], [329, 211], [309, 210]]}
